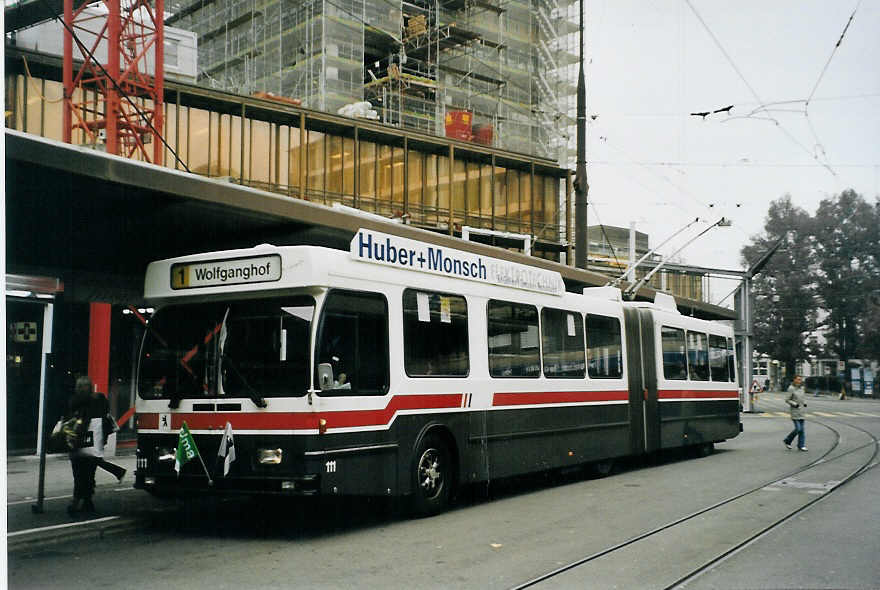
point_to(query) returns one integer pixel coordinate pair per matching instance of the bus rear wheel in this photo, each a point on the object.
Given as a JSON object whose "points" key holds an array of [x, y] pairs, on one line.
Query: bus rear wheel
{"points": [[432, 475]]}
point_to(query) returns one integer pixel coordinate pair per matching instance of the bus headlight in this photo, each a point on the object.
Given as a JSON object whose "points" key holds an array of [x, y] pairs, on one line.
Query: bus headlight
{"points": [[269, 456]]}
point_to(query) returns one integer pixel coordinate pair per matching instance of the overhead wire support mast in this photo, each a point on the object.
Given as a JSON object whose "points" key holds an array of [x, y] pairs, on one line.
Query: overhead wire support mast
{"points": [[632, 290], [580, 184]]}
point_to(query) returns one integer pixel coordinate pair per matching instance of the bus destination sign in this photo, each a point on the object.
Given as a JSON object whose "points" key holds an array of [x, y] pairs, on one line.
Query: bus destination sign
{"points": [[381, 248], [218, 273]]}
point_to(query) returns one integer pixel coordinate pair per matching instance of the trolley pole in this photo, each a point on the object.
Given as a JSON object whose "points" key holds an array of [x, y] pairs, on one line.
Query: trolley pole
{"points": [[580, 182]]}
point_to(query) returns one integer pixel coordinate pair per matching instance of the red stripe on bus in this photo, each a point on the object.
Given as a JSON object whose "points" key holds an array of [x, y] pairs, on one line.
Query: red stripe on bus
{"points": [[695, 394], [304, 420], [147, 421], [556, 397]]}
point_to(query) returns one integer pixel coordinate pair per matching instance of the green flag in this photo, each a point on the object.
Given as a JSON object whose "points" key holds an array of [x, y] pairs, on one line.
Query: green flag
{"points": [[186, 449]]}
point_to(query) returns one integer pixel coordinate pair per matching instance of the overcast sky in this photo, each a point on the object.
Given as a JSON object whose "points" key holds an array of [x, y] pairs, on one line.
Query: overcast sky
{"points": [[650, 63]]}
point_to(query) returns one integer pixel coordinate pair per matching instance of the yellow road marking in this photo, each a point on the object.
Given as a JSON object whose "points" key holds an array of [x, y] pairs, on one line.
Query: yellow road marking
{"points": [[825, 414]]}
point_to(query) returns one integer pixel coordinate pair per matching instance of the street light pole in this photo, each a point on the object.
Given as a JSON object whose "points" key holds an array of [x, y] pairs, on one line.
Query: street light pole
{"points": [[580, 182]]}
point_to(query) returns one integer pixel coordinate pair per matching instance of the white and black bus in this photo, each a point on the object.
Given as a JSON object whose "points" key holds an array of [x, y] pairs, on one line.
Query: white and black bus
{"points": [[401, 368]]}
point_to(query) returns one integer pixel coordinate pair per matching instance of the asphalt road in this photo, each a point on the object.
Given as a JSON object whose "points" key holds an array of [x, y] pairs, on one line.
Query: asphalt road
{"points": [[528, 528]]}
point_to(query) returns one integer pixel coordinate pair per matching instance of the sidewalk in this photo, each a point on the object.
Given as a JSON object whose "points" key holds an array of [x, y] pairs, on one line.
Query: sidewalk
{"points": [[119, 505]]}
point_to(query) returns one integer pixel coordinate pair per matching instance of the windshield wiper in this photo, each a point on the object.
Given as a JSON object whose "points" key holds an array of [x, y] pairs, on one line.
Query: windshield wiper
{"points": [[174, 400], [223, 357], [177, 395], [255, 396]]}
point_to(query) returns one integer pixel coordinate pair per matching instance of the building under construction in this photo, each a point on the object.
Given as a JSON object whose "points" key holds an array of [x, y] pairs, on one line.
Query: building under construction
{"points": [[497, 72]]}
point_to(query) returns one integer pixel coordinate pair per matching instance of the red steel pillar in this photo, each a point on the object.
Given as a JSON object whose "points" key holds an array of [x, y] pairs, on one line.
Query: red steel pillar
{"points": [[99, 346]]}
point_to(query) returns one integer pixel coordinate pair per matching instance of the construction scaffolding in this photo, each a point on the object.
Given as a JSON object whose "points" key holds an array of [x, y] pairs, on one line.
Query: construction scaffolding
{"points": [[506, 63]]}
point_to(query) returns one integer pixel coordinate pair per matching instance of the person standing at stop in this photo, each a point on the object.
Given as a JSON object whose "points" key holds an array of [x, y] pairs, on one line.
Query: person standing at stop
{"points": [[796, 405], [91, 407]]}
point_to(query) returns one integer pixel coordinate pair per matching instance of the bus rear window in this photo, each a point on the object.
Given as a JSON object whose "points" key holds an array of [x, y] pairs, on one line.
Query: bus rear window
{"points": [[256, 348]]}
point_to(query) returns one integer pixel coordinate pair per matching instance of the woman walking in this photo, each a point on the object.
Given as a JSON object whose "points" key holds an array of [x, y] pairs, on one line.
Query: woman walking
{"points": [[796, 405]]}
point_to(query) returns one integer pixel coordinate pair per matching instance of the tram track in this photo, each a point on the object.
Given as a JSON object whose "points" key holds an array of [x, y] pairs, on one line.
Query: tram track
{"points": [[682, 581], [869, 464]]}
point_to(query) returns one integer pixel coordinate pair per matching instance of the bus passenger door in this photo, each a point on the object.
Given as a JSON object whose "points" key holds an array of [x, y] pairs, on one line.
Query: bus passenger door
{"points": [[642, 373], [649, 386]]}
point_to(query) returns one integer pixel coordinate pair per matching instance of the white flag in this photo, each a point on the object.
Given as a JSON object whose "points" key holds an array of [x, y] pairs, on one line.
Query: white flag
{"points": [[227, 449]]}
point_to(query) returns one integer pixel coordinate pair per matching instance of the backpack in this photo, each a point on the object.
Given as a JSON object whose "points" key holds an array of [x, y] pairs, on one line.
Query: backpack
{"points": [[67, 435]]}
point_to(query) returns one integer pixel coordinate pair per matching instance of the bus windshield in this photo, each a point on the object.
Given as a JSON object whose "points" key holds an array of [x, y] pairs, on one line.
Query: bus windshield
{"points": [[254, 348]]}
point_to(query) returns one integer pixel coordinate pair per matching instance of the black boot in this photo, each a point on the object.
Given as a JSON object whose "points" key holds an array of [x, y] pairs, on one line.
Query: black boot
{"points": [[88, 506], [75, 506]]}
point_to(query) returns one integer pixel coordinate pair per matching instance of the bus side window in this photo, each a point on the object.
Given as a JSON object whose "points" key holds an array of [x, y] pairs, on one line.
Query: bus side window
{"points": [[698, 356], [513, 340], [604, 347], [353, 340], [674, 358], [563, 337], [435, 335], [731, 360], [718, 365]]}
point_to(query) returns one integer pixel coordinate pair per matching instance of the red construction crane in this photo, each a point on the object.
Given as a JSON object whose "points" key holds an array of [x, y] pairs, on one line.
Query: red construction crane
{"points": [[121, 99]]}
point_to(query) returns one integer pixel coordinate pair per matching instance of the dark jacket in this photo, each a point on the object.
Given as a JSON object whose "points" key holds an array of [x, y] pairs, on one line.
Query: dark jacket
{"points": [[89, 405]]}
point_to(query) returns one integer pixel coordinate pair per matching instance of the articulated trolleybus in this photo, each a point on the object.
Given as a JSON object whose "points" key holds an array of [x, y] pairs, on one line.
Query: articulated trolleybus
{"points": [[401, 368]]}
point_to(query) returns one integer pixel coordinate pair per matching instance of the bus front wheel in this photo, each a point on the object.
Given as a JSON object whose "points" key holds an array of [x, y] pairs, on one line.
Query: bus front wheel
{"points": [[432, 474]]}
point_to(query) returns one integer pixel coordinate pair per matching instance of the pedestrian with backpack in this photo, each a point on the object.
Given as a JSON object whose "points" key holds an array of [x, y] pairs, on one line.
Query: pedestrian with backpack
{"points": [[91, 413]]}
